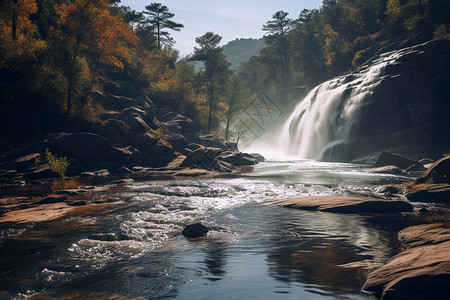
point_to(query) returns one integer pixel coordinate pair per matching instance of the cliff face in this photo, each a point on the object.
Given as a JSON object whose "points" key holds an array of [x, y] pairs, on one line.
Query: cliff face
{"points": [[407, 110]]}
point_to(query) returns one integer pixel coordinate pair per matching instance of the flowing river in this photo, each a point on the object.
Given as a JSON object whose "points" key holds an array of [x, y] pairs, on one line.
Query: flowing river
{"points": [[134, 249]]}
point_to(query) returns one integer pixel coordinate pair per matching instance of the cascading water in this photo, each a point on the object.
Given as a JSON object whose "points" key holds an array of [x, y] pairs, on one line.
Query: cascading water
{"points": [[325, 116]]}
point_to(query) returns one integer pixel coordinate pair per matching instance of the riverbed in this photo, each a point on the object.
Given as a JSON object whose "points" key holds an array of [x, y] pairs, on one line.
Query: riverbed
{"points": [[133, 249]]}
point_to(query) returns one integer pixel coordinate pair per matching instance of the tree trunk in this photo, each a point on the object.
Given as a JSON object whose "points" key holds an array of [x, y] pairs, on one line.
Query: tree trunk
{"points": [[14, 21]]}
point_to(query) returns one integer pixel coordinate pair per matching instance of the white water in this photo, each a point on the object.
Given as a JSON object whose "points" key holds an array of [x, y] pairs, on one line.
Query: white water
{"points": [[325, 116]]}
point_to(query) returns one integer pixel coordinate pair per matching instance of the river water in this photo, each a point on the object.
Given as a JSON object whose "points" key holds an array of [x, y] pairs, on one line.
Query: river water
{"points": [[134, 249]]}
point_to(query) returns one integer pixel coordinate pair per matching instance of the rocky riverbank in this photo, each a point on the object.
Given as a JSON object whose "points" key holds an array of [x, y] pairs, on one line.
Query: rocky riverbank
{"points": [[421, 270]]}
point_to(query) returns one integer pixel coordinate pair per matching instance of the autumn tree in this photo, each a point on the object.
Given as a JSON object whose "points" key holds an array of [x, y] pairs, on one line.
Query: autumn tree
{"points": [[159, 18], [86, 36], [216, 68]]}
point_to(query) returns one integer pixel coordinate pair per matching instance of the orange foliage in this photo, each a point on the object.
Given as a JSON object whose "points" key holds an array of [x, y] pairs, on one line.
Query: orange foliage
{"points": [[17, 52]]}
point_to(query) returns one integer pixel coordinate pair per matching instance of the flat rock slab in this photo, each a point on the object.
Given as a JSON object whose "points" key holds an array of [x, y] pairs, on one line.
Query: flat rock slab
{"points": [[40, 213], [435, 193], [421, 271], [342, 204]]}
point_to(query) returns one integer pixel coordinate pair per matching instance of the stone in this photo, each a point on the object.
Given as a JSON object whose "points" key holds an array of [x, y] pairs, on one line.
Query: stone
{"points": [[42, 171], [122, 154], [237, 158], [77, 203], [123, 170], [343, 204], [195, 230], [177, 141], [159, 154], [258, 157], [26, 162], [146, 140], [434, 193], [439, 172], [177, 123], [80, 145], [420, 271], [392, 170], [388, 189], [52, 199], [393, 159], [204, 157]]}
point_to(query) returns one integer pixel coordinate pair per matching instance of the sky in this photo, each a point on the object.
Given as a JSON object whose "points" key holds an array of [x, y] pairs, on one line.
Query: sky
{"points": [[229, 18]]}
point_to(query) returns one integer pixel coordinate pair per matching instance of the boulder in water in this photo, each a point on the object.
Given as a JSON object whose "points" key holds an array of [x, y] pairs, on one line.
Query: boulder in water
{"points": [[421, 271], [434, 193], [194, 230], [394, 159], [439, 172]]}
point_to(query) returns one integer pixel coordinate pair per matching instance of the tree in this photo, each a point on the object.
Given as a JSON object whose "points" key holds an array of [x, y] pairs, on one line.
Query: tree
{"points": [[216, 68], [235, 96], [277, 29], [159, 19], [87, 35]]}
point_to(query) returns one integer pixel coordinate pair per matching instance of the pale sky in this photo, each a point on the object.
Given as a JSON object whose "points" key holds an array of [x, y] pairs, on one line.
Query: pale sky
{"points": [[229, 18]]}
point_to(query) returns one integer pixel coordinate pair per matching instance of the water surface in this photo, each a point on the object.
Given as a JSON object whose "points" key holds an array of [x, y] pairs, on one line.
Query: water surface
{"points": [[134, 249]]}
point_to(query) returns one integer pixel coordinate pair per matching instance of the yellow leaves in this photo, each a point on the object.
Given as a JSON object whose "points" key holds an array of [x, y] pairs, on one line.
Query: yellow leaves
{"points": [[393, 10], [331, 44]]}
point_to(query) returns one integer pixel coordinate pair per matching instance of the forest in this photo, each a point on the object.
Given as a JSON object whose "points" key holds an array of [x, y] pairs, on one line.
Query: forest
{"points": [[55, 54]]}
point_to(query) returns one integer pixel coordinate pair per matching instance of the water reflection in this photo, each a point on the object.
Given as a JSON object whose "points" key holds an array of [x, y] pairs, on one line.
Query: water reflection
{"points": [[333, 252]]}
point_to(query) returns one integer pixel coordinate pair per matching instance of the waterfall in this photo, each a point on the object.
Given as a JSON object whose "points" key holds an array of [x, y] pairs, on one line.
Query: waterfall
{"points": [[325, 116]]}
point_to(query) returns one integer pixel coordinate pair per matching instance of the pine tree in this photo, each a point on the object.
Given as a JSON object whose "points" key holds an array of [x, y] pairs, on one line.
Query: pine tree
{"points": [[159, 19]]}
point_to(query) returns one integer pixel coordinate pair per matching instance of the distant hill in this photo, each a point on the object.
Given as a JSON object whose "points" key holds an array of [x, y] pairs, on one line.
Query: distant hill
{"points": [[241, 50]]}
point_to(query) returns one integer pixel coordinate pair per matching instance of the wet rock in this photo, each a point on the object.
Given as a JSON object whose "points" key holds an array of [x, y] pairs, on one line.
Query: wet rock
{"points": [[195, 230], [435, 193], [52, 199], [393, 159], [392, 170], [439, 172], [420, 271], [237, 158], [389, 189], [258, 157], [158, 155], [124, 170], [426, 161], [342, 204], [204, 157], [107, 237]]}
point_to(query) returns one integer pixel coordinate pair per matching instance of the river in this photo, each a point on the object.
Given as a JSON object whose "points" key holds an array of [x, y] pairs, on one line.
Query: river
{"points": [[134, 249]]}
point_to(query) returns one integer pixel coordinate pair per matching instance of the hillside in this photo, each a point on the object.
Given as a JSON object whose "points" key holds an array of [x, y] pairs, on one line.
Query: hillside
{"points": [[240, 50]]}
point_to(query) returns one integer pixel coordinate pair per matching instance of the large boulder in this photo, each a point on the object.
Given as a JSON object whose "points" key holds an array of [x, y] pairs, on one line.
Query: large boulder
{"points": [[342, 204], [122, 154], [393, 159], [158, 154], [177, 123], [438, 172], [26, 162], [80, 145], [136, 123], [421, 271], [204, 157]]}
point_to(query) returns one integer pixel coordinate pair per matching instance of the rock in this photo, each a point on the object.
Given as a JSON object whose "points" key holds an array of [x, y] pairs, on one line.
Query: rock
{"points": [[99, 173], [26, 162], [137, 124], [177, 123], [342, 204], [176, 163], [258, 157], [194, 230], [146, 140], [81, 145], [123, 170], [177, 141], [439, 172], [416, 167], [389, 189], [43, 171], [77, 203], [204, 157], [392, 170], [426, 161], [237, 158], [115, 129], [107, 237], [159, 154], [435, 193], [52, 199], [421, 271], [122, 154], [393, 159]]}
